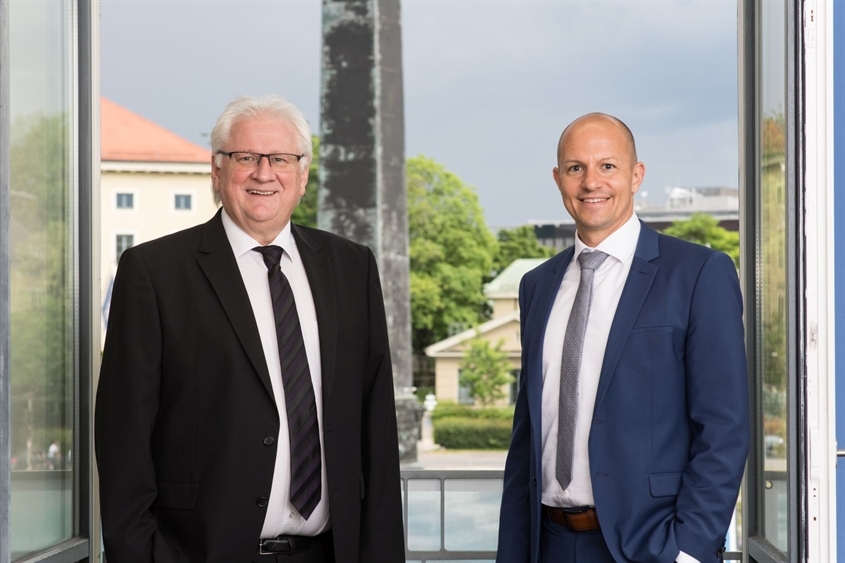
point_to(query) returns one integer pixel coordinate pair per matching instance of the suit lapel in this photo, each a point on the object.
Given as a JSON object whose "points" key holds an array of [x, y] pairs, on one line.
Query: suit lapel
{"points": [[218, 263], [321, 278], [633, 296]]}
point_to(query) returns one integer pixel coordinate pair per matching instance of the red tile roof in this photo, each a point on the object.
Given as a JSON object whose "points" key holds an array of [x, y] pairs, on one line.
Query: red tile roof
{"points": [[126, 136]]}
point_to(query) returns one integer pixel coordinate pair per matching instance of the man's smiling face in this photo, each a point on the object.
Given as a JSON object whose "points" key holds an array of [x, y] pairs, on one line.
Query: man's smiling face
{"points": [[261, 200], [597, 175]]}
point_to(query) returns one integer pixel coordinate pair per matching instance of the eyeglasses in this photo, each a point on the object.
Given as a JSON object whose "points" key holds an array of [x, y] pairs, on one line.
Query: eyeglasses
{"points": [[280, 162]]}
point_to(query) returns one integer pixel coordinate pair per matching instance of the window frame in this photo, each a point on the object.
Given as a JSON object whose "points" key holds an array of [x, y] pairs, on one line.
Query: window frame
{"points": [[83, 71], [118, 194], [118, 234], [177, 195], [758, 548]]}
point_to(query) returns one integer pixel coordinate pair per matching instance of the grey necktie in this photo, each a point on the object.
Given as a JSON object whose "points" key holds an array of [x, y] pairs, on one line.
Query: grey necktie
{"points": [[570, 366]]}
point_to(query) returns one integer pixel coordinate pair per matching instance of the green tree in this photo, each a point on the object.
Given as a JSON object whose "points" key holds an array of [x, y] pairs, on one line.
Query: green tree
{"points": [[484, 370], [519, 242], [306, 212], [451, 251], [704, 229], [41, 276]]}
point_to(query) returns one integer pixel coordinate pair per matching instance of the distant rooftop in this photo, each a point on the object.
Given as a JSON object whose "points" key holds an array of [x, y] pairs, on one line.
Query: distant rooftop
{"points": [[681, 202], [506, 284], [129, 137]]}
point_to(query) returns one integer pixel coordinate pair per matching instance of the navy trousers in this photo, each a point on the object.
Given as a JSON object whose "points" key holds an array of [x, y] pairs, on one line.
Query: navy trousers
{"points": [[560, 545]]}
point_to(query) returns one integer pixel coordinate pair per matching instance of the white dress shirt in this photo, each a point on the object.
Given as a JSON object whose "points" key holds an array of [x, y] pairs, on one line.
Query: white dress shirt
{"points": [[282, 517], [608, 282]]}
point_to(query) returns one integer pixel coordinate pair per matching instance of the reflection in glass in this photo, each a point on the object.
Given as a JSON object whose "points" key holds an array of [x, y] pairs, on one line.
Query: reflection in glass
{"points": [[772, 281], [42, 275], [472, 514], [424, 514]]}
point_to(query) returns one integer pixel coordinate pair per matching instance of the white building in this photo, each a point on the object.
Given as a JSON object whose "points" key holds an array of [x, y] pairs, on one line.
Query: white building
{"points": [[503, 292], [153, 183]]}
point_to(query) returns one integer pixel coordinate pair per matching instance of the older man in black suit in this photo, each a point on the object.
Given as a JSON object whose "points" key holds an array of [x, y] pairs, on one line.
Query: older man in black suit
{"points": [[245, 405]]}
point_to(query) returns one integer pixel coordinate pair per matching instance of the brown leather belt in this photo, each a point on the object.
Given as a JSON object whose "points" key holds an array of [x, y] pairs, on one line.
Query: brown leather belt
{"points": [[577, 519]]}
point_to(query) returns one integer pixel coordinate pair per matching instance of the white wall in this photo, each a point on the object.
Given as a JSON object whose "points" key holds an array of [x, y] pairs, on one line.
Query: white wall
{"points": [[154, 187]]}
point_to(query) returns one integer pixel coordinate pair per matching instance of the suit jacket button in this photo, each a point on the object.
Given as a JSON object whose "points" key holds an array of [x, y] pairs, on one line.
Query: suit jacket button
{"points": [[534, 481], [268, 440], [261, 502]]}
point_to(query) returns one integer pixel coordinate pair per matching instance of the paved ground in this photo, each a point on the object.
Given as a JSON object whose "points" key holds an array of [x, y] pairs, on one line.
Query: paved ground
{"points": [[460, 459]]}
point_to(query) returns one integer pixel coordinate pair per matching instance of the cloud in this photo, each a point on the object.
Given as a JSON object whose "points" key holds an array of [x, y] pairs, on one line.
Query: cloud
{"points": [[489, 85]]}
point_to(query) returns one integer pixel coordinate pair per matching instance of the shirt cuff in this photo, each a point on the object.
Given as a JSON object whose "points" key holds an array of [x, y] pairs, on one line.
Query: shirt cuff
{"points": [[685, 558]]}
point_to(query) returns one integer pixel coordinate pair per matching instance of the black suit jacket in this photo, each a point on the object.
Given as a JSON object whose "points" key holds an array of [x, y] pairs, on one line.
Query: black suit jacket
{"points": [[185, 410]]}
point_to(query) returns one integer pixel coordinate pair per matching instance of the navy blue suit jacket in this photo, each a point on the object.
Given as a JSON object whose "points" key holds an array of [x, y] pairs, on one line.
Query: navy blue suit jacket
{"points": [[670, 431]]}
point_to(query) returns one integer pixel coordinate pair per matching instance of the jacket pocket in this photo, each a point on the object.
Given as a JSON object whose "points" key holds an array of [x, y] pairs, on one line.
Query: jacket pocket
{"points": [[665, 484], [180, 496]]}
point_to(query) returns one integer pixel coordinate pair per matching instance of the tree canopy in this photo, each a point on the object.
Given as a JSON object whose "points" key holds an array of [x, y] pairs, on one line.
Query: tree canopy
{"points": [[519, 242], [306, 212], [704, 229], [451, 251]]}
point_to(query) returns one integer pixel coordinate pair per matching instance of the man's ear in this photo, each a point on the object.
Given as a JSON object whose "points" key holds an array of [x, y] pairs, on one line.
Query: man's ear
{"points": [[638, 177], [303, 181], [215, 171]]}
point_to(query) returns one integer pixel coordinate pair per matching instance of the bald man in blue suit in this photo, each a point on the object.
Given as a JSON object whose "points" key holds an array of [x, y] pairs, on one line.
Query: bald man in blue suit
{"points": [[661, 430]]}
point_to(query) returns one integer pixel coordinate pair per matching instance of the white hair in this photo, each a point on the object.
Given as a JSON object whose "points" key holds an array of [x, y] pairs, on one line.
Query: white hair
{"points": [[250, 107]]}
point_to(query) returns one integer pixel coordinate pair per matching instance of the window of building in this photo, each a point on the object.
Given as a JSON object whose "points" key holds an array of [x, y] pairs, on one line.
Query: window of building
{"points": [[125, 201], [123, 242], [464, 396], [182, 201]]}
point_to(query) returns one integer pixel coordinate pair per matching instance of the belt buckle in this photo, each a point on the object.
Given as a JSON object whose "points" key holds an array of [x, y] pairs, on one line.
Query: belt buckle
{"points": [[294, 545], [291, 546]]}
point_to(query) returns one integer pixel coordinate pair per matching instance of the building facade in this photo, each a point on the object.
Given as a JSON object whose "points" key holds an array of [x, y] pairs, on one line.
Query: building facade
{"points": [[153, 183]]}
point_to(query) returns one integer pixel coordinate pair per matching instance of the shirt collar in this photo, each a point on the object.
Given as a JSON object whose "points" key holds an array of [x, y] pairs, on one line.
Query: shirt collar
{"points": [[621, 243], [243, 243]]}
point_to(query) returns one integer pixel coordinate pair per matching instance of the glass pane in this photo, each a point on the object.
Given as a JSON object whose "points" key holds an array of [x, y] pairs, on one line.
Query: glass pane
{"points": [[773, 312], [472, 514], [42, 274], [424, 514]]}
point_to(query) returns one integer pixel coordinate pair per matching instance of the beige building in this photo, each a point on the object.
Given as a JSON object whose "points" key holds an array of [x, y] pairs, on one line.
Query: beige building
{"points": [[153, 183], [503, 292]]}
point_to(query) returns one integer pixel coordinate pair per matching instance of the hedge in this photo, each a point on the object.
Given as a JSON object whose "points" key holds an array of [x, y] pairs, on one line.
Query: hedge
{"points": [[462, 433], [446, 409]]}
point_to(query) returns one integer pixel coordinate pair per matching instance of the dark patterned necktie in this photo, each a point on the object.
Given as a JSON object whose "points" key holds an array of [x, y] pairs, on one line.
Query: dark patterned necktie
{"points": [[305, 460], [570, 366]]}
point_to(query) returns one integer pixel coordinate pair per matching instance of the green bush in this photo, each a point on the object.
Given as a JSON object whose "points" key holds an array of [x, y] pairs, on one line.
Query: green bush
{"points": [[448, 409], [462, 433]]}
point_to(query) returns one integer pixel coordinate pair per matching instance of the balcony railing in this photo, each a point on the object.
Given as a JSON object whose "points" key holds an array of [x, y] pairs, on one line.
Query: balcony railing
{"points": [[453, 515]]}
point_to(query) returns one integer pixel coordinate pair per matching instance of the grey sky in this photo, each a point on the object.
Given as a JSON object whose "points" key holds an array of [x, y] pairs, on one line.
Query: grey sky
{"points": [[489, 85]]}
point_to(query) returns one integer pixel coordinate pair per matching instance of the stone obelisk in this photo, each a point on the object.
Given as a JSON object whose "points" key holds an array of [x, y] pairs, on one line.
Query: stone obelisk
{"points": [[362, 166]]}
